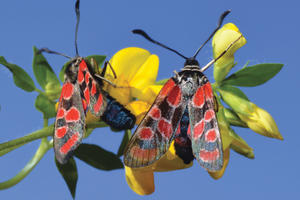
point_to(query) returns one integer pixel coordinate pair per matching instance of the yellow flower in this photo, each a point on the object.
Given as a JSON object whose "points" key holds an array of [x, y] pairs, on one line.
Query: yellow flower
{"points": [[221, 40], [136, 70], [141, 180], [260, 121]]}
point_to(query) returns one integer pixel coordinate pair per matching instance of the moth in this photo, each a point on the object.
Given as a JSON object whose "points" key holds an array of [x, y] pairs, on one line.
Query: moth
{"points": [[184, 112], [82, 92]]}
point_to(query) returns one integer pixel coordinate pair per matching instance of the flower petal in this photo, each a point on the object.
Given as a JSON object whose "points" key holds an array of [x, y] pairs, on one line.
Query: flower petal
{"points": [[224, 37], [127, 62], [170, 161], [218, 174], [221, 40], [139, 109], [135, 68], [146, 75], [150, 93], [140, 181]]}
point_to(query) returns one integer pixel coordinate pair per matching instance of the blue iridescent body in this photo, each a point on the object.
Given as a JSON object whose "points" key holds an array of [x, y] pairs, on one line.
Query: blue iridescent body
{"points": [[116, 116], [182, 141]]}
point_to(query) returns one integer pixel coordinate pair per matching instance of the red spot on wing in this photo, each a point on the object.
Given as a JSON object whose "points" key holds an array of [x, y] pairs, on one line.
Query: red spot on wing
{"points": [[145, 154], [98, 104], [67, 90], [167, 87], [209, 114], [87, 95], [174, 96], [94, 88], [80, 76], [155, 112], [69, 144], [146, 133], [209, 156], [211, 136], [60, 113], [87, 78], [198, 129], [208, 91], [198, 98], [61, 132], [72, 115], [82, 65], [165, 128]]}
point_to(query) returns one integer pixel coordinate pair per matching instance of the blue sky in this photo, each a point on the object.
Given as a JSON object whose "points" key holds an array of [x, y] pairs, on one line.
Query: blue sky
{"points": [[272, 32]]}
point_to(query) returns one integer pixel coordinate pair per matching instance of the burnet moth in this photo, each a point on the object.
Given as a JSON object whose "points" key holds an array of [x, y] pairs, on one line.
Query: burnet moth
{"points": [[82, 91], [184, 111]]}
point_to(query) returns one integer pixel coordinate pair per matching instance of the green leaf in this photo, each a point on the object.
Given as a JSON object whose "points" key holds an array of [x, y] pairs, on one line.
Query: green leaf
{"points": [[69, 173], [43, 72], [97, 157], [125, 140], [20, 76], [253, 75], [45, 105], [161, 82], [98, 58], [236, 99]]}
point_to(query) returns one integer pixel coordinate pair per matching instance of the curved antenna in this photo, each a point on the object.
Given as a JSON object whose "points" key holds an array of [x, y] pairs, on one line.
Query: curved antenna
{"points": [[145, 35], [52, 52], [77, 11], [221, 19]]}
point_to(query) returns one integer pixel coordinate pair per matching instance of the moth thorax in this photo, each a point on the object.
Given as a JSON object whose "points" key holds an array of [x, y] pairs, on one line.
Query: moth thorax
{"points": [[188, 87], [72, 70]]}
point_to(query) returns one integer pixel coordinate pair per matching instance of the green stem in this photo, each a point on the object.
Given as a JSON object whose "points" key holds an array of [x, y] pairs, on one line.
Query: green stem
{"points": [[124, 142], [47, 131], [43, 148], [97, 125]]}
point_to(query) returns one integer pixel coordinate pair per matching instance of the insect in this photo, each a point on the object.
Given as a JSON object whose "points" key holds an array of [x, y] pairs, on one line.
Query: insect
{"points": [[184, 111], [81, 91]]}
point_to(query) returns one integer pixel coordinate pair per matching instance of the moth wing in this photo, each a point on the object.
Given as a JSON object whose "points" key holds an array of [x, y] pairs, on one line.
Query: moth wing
{"points": [[205, 134], [70, 122], [153, 136], [91, 89], [100, 103]]}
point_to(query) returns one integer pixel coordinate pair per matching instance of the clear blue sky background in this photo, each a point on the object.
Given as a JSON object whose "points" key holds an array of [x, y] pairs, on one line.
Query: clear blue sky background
{"points": [[272, 31]]}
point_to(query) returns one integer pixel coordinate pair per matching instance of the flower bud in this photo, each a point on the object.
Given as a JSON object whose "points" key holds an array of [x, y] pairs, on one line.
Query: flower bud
{"points": [[221, 40], [260, 121]]}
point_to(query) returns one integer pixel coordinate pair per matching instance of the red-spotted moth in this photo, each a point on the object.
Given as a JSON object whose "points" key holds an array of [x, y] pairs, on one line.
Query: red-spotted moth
{"points": [[82, 91], [184, 111]]}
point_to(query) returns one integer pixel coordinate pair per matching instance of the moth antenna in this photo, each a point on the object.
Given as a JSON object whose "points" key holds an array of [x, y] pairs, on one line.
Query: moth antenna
{"points": [[77, 11], [104, 79], [105, 67], [52, 52], [221, 19], [216, 59], [145, 35]]}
